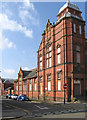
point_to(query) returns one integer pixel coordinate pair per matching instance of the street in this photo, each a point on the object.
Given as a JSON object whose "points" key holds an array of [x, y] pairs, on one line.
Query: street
{"points": [[24, 110]]}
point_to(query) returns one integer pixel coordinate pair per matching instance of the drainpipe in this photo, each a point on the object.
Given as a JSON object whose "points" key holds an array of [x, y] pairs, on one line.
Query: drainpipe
{"points": [[64, 59]]}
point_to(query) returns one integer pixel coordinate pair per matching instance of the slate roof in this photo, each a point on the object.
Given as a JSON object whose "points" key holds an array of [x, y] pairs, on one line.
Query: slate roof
{"points": [[25, 73], [8, 88], [7, 80], [32, 73]]}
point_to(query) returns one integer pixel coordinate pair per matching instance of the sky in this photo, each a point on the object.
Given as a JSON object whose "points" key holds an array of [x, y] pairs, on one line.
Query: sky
{"points": [[21, 28]]}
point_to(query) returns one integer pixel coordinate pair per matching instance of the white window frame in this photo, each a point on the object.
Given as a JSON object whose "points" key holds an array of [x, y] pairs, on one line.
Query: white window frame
{"points": [[59, 84], [41, 65], [35, 86], [41, 58], [47, 55], [49, 85], [50, 54], [50, 48], [30, 87], [75, 28], [49, 62], [58, 50], [58, 58]]}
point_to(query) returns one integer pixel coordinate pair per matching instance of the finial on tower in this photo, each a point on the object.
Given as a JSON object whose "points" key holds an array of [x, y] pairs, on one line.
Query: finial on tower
{"points": [[68, 1]]}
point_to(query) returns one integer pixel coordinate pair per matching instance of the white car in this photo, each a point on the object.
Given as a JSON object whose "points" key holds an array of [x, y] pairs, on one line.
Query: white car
{"points": [[14, 96]]}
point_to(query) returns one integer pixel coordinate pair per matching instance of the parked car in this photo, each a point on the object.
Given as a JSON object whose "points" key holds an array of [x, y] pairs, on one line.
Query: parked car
{"points": [[8, 96], [23, 97], [14, 96]]}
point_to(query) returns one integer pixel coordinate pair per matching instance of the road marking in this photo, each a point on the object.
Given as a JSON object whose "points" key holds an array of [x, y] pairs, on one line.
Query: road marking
{"points": [[27, 111], [41, 107]]}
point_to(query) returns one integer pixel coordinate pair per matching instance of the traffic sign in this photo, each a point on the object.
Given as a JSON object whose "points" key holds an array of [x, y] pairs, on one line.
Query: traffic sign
{"points": [[65, 85]]}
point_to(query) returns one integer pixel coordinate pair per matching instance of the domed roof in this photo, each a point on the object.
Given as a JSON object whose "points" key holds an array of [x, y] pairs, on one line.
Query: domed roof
{"points": [[69, 4]]}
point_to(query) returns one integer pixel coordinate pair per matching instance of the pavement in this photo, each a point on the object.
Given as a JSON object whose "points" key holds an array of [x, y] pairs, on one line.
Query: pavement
{"points": [[68, 110]]}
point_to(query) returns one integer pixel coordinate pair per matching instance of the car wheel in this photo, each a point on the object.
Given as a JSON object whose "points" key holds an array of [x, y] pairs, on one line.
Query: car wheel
{"points": [[20, 99]]}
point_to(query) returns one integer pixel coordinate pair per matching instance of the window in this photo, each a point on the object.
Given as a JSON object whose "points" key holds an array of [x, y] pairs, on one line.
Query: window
{"points": [[80, 29], [40, 58], [17, 86], [78, 53], [58, 75], [30, 87], [20, 81], [58, 50], [48, 49], [49, 77], [30, 81], [35, 80], [25, 87], [49, 82], [40, 79], [77, 48], [59, 84], [20, 87], [48, 61], [49, 86], [58, 56], [35, 88], [41, 62], [75, 28], [25, 81], [35, 84]]}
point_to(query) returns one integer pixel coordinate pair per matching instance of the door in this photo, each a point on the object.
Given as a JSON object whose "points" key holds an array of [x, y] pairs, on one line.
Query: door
{"points": [[76, 89]]}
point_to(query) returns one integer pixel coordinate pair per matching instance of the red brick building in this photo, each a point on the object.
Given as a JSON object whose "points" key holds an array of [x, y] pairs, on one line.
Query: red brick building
{"points": [[26, 83], [61, 59], [6, 86]]}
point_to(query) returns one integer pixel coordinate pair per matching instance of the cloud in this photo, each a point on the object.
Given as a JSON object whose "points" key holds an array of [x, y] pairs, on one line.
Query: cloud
{"points": [[25, 68], [28, 13], [7, 24], [12, 25], [4, 43], [9, 71], [26, 3]]}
